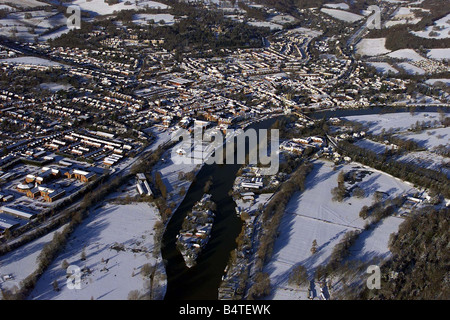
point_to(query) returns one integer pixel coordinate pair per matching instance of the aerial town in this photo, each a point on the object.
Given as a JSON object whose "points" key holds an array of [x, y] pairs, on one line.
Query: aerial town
{"points": [[99, 201], [196, 230]]}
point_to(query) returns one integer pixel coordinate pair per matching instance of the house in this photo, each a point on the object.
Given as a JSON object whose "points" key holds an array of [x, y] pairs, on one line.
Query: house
{"points": [[142, 185], [18, 213], [24, 187], [7, 198], [250, 185], [7, 224], [141, 177], [55, 195], [34, 193], [30, 178], [302, 141], [81, 175]]}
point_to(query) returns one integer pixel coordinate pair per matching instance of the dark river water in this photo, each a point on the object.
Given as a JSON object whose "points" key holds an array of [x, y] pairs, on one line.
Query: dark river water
{"points": [[201, 282]]}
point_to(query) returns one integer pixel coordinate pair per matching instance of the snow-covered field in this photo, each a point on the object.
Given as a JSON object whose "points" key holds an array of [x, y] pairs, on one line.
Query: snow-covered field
{"points": [[373, 243], [342, 15], [341, 5], [6, 7], [99, 7], [266, 24], [16, 25], [31, 61], [170, 170], [424, 159], [372, 47], [21, 262], [111, 273], [25, 3], [398, 122], [440, 29], [407, 54], [430, 138], [55, 86], [313, 215], [374, 146], [404, 15], [434, 81], [383, 67], [306, 31], [144, 19], [439, 54], [56, 34], [282, 19], [411, 69], [428, 160]]}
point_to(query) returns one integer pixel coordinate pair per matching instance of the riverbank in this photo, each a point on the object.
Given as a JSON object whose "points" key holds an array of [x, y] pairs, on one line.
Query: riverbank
{"points": [[196, 230], [110, 248], [314, 217], [202, 281]]}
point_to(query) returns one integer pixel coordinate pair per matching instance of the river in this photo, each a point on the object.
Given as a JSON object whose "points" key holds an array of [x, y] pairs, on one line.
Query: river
{"points": [[201, 282]]}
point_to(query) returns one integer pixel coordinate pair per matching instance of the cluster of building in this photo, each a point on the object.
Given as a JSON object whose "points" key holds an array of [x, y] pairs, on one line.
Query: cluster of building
{"points": [[196, 230], [142, 185], [27, 190], [298, 145], [116, 61]]}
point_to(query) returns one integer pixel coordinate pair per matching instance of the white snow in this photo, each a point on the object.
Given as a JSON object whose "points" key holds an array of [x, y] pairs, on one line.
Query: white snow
{"points": [[16, 25], [439, 54], [428, 160], [408, 54], [266, 24], [31, 61], [253, 206], [372, 47], [170, 170], [5, 7], [341, 5], [25, 3], [374, 243], [392, 23], [342, 15], [111, 271], [55, 34], [374, 146], [21, 262], [282, 19], [441, 27], [55, 86], [99, 7], [144, 19], [398, 122], [430, 138], [410, 68], [313, 215], [383, 67], [306, 31], [404, 15], [434, 81]]}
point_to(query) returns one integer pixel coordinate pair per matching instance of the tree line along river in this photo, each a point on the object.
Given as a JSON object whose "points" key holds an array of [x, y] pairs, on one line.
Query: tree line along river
{"points": [[202, 281]]}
